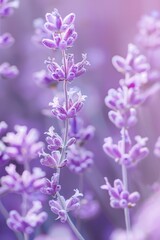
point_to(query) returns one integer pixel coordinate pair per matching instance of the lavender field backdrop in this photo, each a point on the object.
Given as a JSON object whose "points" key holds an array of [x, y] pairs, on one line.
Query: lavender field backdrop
{"points": [[79, 120]]}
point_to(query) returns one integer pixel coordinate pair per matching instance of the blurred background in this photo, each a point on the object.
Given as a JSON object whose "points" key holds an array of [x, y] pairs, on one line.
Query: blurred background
{"points": [[105, 27]]}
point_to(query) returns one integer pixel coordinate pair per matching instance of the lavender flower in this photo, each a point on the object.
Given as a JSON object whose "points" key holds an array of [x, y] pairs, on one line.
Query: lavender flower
{"points": [[89, 207], [123, 102], [52, 160], [133, 153], [25, 183], [23, 145], [62, 207], [7, 7], [79, 159], [75, 101], [62, 30], [149, 31], [51, 187], [69, 70], [78, 131], [26, 224], [8, 71], [134, 63], [157, 148], [6, 40], [119, 197]]}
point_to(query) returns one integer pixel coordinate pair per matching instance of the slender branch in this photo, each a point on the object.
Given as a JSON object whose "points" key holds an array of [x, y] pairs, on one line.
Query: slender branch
{"points": [[125, 182]]}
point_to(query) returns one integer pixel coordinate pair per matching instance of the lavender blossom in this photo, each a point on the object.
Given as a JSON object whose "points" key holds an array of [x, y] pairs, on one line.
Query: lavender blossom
{"points": [[8, 71], [75, 101], [6, 40], [123, 102], [69, 70], [61, 208], [51, 187], [52, 160], [89, 208], [7, 7], [149, 31], [119, 197], [28, 223], [79, 159], [26, 183], [134, 63], [133, 153], [23, 145], [62, 30]]}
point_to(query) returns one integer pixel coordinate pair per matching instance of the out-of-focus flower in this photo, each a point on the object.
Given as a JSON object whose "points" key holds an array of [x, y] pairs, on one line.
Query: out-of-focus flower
{"points": [[75, 103], [8, 71], [69, 70], [120, 234], [7, 7], [157, 148], [89, 207], [23, 145], [79, 159], [51, 187], [27, 224], [133, 153], [149, 31], [44, 79], [3, 128], [79, 131], [6, 40], [61, 206], [40, 31], [3, 155], [62, 31], [119, 197], [123, 102], [134, 63], [25, 183]]}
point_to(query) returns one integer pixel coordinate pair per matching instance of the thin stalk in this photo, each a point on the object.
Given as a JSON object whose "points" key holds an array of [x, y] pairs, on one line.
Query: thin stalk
{"points": [[26, 237], [125, 182], [71, 224]]}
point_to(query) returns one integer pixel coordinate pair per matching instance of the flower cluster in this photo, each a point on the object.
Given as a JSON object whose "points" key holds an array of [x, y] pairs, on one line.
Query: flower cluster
{"points": [[149, 31], [26, 183], [23, 145], [133, 153], [69, 69], [51, 187], [44, 79], [7, 7], [26, 224], [119, 197], [6, 40], [75, 103], [62, 207], [8, 71], [123, 103], [62, 31]]}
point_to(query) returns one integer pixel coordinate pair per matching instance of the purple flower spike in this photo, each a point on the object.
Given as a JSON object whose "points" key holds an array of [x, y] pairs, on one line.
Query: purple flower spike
{"points": [[8, 71], [62, 31], [133, 153], [75, 99], [7, 7], [69, 70], [51, 187], [23, 145], [133, 64], [79, 159], [119, 197], [6, 40], [28, 223], [25, 183], [54, 141], [61, 208]]}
